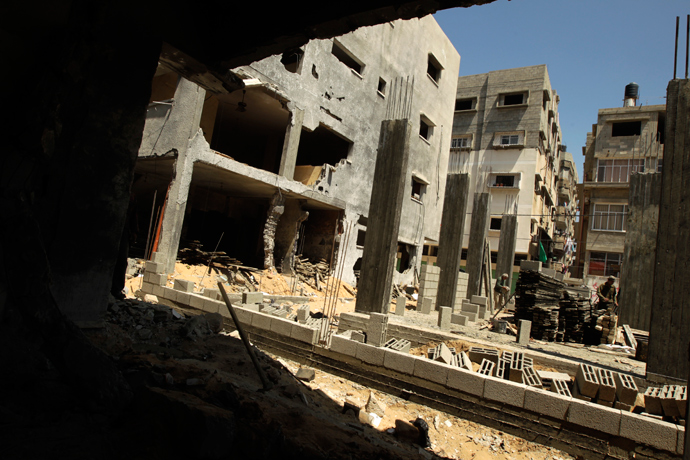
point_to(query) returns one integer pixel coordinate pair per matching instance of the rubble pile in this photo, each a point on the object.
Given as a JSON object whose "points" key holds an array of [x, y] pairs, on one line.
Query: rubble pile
{"points": [[192, 254], [314, 274]]}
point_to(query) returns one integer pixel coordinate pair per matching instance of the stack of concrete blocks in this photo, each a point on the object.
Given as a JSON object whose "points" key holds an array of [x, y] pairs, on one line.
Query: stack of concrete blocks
{"points": [[461, 291], [518, 398], [212, 293], [459, 319], [400, 345], [470, 310], [586, 383], [549, 272], [377, 329], [669, 400], [444, 317], [154, 276], [533, 265], [483, 303], [428, 283]]}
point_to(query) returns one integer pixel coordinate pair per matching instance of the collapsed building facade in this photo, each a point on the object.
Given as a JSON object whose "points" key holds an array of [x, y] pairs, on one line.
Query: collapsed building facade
{"points": [[282, 167]]}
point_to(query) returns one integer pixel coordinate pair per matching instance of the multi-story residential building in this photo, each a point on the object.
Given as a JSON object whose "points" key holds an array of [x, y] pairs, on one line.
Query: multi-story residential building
{"points": [[506, 135], [624, 141], [284, 165], [566, 212]]}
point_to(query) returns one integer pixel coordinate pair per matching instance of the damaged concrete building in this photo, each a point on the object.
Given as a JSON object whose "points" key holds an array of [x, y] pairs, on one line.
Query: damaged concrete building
{"points": [[281, 167], [506, 135]]}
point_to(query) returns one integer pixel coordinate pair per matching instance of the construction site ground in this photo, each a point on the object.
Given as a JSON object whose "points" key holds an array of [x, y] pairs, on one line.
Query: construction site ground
{"points": [[310, 413]]}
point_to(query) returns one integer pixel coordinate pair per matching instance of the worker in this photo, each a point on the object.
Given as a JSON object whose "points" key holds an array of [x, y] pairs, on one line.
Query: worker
{"points": [[501, 290], [607, 294]]}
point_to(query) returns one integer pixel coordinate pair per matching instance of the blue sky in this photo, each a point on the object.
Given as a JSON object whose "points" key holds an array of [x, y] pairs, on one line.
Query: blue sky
{"points": [[592, 49]]}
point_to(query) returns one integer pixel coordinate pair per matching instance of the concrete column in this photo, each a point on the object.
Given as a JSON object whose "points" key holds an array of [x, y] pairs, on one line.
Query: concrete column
{"points": [[639, 255], [387, 194], [506, 246], [481, 215], [450, 241], [291, 144], [275, 211], [669, 327], [287, 234], [182, 126]]}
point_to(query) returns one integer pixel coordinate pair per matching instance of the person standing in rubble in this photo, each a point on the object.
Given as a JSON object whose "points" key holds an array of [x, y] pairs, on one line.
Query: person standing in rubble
{"points": [[501, 290], [607, 294]]}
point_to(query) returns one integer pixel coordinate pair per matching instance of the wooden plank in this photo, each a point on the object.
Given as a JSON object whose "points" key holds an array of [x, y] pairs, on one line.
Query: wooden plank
{"points": [[629, 337]]}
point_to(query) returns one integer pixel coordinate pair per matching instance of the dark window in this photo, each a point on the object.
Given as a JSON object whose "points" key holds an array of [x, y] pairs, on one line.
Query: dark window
{"points": [[361, 234], [425, 250], [346, 57], [417, 189], [505, 181], [627, 128], [433, 68], [513, 99], [382, 86], [424, 130], [495, 223], [464, 104]]}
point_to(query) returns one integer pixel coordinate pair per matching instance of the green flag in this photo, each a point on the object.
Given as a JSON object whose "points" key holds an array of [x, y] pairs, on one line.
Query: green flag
{"points": [[542, 253]]}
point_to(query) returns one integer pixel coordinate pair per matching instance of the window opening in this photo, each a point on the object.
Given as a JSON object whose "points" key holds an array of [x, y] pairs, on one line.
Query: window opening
{"points": [[433, 68], [292, 60], [505, 181], [382, 86], [609, 217], [418, 189], [605, 263], [618, 170], [361, 235], [425, 128], [495, 223], [464, 104], [344, 56], [510, 139], [627, 128], [460, 142]]}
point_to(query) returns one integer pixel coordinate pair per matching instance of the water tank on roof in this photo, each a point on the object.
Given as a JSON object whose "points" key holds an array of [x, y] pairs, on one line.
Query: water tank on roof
{"points": [[632, 91]]}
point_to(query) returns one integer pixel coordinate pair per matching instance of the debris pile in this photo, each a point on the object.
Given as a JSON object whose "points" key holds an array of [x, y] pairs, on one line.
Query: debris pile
{"points": [[192, 254], [314, 274]]}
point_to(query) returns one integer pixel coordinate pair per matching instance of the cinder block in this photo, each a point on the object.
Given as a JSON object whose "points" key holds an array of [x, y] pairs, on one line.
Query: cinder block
{"points": [[504, 391], [530, 377], [459, 319], [400, 362], [343, 345], [281, 326], [158, 290], [682, 400], [156, 278], [304, 333], [378, 318], [169, 294], [546, 403], [680, 446], [549, 272], [470, 316], [358, 336], [426, 305], [530, 265], [649, 431], [400, 305], [213, 294], [482, 313], [524, 330], [587, 380], [243, 316], [516, 367], [470, 308], [595, 416], [252, 297], [154, 267], [607, 385], [183, 298], [652, 401], [184, 285], [370, 354], [486, 368], [479, 300], [466, 381], [158, 257], [211, 306], [464, 361], [196, 301], [303, 314], [262, 321], [251, 306], [444, 314], [432, 370], [561, 387], [668, 400]]}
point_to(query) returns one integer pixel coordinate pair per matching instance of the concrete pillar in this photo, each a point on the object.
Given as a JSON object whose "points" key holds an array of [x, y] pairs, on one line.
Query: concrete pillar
{"points": [[669, 327], [291, 144], [387, 194], [639, 255], [506, 246], [287, 234], [182, 126], [275, 211], [481, 215], [450, 240]]}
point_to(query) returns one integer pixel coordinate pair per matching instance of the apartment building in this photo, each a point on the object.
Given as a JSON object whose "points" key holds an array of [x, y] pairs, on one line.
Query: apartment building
{"points": [[564, 244], [284, 164], [507, 136], [624, 141]]}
